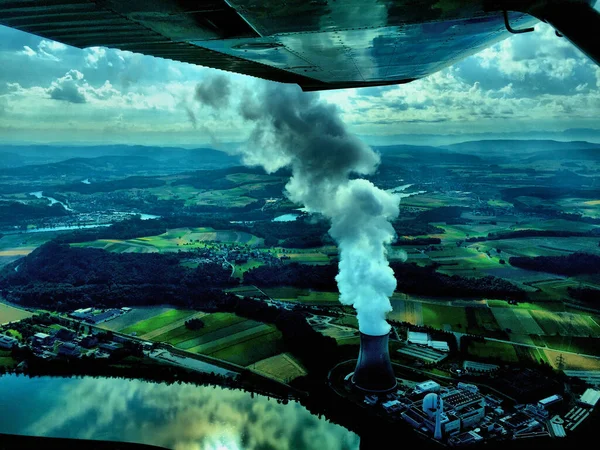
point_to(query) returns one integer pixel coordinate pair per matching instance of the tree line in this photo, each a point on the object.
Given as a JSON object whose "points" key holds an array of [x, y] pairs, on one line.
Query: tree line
{"points": [[574, 264]]}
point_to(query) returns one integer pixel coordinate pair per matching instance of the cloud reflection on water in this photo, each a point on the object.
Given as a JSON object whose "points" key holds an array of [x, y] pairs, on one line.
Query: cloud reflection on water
{"points": [[182, 417]]}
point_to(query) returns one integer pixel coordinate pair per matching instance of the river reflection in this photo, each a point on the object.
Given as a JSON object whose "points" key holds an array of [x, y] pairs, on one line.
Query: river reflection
{"points": [[180, 417]]}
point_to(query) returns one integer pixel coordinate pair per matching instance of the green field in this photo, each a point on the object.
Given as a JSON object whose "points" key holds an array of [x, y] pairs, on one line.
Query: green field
{"points": [[481, 321], [6, 360], [495, 350], [174, 240], [437, 316], [230, 198], [241, 269], [291, 294], [583, 345], [159, 321], [252, 348], [567, 324], [212, 323]]}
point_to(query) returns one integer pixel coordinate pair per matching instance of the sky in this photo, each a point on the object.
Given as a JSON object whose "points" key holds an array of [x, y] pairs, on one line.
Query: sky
{"points": [[49, 92]]}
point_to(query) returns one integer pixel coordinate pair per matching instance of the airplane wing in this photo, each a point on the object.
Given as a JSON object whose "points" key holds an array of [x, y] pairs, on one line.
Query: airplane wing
{"points": [[317, 44]]}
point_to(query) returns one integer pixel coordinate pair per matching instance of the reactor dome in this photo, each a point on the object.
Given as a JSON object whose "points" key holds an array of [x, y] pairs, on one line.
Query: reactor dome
{"points": [[430, 404]]}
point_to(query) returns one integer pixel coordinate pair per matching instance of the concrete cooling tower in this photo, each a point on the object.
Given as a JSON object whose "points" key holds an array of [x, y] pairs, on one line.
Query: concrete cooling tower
{"points": [[374, 371]]}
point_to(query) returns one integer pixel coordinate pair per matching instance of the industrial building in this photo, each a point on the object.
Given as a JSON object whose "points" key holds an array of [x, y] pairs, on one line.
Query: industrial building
{"points": [[472, 366], [7, 342], [443, 411], [590, 398], [423, 339]]}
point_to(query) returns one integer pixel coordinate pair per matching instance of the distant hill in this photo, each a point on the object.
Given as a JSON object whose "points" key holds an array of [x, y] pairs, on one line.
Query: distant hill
{"points": [[523, 148], [71, 159], [422, 154]]}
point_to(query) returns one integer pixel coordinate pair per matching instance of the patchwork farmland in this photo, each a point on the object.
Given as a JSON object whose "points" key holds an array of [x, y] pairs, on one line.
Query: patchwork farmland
{"points": [[223, 336], [173, 240]]}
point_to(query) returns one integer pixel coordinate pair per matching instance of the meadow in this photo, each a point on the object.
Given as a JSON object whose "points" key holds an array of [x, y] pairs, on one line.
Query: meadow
{"points": [[174, 240], [307, 296]]}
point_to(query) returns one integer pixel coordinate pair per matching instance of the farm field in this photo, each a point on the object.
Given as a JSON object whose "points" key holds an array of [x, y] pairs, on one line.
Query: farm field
{"points": [[173, 240], [283, 367], [541, 246], [567, 324], [134, 316], [572, 362], [246, 291], [583, 345], [15, 246], [241, 269], [10, 313], [228, 337], [406, 311], [143, 327], [230, 198], [491, 349], [291, 294], [442, 316], [313, 257], [481, 321]]}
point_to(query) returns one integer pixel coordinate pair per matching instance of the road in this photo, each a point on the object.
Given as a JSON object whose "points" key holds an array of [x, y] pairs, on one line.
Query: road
{"points": [[190, 363]]}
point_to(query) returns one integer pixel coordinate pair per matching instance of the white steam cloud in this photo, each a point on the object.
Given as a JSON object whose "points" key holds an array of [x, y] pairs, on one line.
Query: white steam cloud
{"points": [[294, 129]]}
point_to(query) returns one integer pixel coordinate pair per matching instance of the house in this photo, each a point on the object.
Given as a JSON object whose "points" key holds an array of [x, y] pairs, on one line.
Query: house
{"points": [[41, 339], [108, 347], [69, 349], [89, 341], [7, 342], [64, 335]]}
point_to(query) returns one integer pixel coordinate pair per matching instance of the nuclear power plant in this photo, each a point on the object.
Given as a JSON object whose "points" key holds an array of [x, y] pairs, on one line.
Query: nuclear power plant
{"points": [[374, 372]]}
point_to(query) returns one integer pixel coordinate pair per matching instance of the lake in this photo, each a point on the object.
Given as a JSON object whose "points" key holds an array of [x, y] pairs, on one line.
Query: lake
{"points": [[286, 218], [185, 417]]}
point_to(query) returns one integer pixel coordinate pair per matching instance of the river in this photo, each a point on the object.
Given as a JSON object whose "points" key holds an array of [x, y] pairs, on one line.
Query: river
{"points": [[52, 200], [176, 416]]}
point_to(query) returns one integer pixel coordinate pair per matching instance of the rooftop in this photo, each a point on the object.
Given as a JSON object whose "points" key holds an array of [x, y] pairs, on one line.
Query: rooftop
{"points": [[590, 397]]}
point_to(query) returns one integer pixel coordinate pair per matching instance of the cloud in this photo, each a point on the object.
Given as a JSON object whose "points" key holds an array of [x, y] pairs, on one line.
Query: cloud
{"points": [[68, 88], [46, 49]]}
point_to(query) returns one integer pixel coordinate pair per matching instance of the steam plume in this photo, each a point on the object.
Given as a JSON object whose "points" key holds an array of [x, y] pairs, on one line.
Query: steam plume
{"points": [[294, 129]]}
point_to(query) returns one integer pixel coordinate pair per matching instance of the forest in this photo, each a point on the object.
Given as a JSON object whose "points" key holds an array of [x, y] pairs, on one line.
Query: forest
{"points": [[574, 264]]}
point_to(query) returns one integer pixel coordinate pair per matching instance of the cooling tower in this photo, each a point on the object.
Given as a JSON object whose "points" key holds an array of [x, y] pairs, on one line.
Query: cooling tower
{"points": [[374, 371]]}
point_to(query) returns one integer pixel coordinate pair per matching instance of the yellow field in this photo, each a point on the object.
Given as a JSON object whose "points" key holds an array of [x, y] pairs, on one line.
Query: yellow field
{"points": [[572, 362], [283, 367], [9, 313]]}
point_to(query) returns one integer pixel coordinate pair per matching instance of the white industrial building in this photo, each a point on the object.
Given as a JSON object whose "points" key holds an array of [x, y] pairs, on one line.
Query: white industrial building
{"points": [[590, 398], [417, 338], [423, 339], [427, 386]]}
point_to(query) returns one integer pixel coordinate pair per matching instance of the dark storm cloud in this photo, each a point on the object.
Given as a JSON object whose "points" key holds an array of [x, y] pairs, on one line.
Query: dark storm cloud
{"points": [[214, 91]]}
